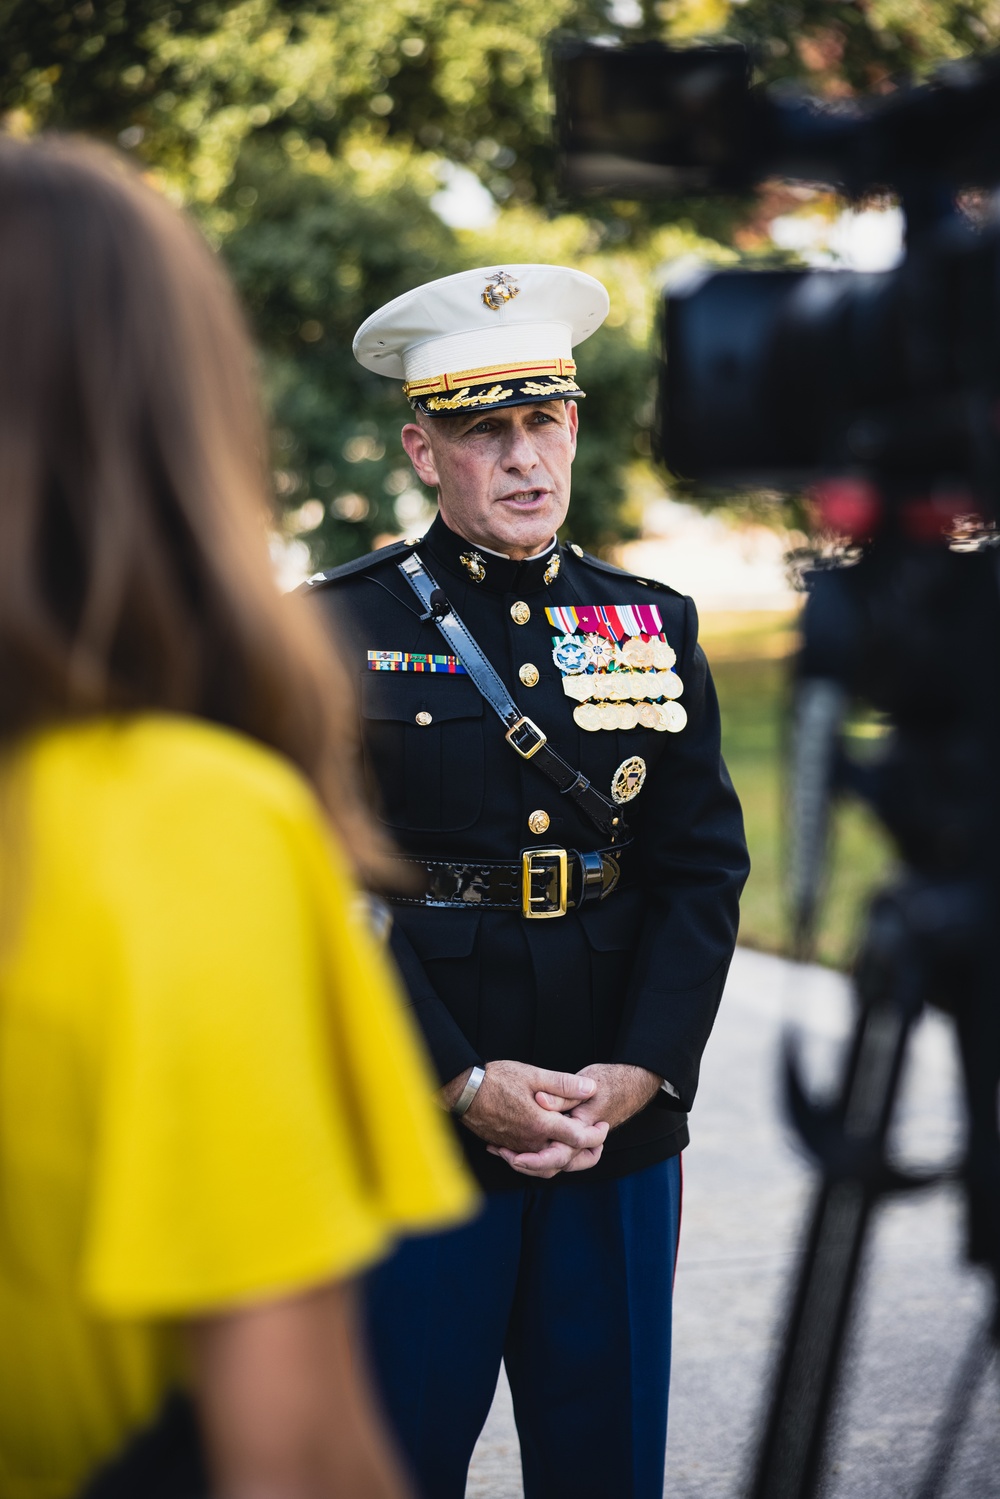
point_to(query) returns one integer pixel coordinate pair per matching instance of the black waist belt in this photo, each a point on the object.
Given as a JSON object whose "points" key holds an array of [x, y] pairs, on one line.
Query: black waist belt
{"points": [[544, 882]]}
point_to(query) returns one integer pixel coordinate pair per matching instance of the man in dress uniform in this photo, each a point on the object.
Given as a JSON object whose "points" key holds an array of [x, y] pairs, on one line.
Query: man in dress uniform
{"points": [[542, 738]]}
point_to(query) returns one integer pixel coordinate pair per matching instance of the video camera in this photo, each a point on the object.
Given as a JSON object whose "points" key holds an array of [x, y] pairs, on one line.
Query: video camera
{"points": [[779, 377], [881, 391]]}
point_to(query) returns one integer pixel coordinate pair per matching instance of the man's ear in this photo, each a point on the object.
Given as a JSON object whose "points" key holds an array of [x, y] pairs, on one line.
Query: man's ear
{"points": [[573, 422], [417, 446]]}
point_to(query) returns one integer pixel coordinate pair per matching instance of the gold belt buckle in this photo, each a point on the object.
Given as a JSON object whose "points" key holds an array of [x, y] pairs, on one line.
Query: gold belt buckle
{"points": [[526, 754], [532, 864]]}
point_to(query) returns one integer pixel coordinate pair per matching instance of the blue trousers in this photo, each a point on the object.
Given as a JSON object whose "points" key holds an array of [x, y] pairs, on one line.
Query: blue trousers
{"points": [[571, 1286]]}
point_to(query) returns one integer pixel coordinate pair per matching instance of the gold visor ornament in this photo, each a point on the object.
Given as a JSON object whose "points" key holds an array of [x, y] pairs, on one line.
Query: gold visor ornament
{"points": [[628, 780], [500, 288], [474, 565]]}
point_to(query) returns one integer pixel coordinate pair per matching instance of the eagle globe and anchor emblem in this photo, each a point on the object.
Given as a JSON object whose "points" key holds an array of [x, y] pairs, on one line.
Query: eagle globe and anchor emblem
{"points": [[500, 288]]}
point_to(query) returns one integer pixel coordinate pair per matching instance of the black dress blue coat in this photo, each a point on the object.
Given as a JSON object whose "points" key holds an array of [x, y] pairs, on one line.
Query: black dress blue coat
{"points": [[636, 978]]}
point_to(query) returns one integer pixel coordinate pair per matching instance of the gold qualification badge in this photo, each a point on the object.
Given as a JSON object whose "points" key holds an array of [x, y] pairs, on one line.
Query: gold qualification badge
{"points": [[628, 780]]}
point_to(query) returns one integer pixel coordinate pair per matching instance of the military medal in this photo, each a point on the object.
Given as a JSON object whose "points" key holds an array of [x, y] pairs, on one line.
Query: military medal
{"points": [[600, 652], [628, 780], [587, 716], [570, 655], [618, 667], [636, 653]]}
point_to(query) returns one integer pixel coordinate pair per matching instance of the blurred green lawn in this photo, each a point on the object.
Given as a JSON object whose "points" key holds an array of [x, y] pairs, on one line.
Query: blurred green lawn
{"points": [[749, 659]]}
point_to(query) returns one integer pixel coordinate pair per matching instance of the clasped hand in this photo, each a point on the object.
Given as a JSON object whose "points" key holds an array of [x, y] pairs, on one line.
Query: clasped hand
{"points": [[542, 1122]]}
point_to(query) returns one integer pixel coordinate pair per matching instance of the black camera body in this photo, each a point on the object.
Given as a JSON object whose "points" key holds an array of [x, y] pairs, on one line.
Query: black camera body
{"points": [[781, 377]]}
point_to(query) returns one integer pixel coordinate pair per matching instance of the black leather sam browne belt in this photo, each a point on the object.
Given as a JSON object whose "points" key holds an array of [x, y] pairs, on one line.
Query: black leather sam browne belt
{"points": [[545, 882], [522, 734]]}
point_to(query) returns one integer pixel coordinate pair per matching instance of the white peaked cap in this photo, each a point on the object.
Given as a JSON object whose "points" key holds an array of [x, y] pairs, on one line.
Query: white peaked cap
{"points": [[496, 336]]}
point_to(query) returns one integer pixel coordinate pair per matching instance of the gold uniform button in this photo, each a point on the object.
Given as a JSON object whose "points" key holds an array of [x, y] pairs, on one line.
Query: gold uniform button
{"points": [[423, 719], [520, 613], [529, 674], [576, 550], [539, 821]]}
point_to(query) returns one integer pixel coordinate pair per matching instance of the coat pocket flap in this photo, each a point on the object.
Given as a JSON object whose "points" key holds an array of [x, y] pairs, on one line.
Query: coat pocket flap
{"points": [[438, 934], [400, 696]]}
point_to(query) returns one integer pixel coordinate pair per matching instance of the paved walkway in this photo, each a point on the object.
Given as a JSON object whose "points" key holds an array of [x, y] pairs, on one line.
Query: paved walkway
{"points": [[745, 1193]]}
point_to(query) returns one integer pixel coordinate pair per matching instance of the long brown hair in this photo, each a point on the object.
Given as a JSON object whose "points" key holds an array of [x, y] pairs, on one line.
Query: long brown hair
{"points": [[134, 571]]}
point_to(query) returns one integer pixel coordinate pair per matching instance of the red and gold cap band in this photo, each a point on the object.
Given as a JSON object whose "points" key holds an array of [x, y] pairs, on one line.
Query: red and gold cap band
{"points": [[493, 386], [523, 369]]}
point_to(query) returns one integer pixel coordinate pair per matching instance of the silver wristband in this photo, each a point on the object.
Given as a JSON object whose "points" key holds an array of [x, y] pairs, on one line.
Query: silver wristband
{"points": [[468, 1093]]}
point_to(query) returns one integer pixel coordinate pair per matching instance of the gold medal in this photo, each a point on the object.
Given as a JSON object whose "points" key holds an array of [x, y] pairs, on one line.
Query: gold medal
{"points": [[674, 717], [636, 653], [671, 684], [661, 655], [628, 716], [648, 715], [587, 716], [608, 715], [628, 780], [661, 723]]}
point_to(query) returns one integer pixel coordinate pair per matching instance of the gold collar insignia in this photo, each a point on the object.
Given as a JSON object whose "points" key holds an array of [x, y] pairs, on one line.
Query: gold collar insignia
{"points": [[474, 565]]}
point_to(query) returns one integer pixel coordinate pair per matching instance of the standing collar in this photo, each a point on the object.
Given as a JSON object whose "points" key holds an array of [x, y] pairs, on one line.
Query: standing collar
{"points": [[499, 574]]}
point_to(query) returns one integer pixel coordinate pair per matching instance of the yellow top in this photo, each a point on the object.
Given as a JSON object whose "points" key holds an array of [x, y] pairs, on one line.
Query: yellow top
{"points": [[208, 1090]]}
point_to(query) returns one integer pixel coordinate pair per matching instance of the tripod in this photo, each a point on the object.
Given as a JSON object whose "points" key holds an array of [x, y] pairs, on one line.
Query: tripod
{"points": [[931, 938]]}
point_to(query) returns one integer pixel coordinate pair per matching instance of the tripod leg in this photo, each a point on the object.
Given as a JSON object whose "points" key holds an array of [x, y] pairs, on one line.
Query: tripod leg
{"points": [[963, 1391], [791, 1452]]}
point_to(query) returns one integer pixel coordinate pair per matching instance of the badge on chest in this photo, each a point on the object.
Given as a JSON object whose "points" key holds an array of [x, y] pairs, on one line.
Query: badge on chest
{"points": [[617, 665], [416, 661]]}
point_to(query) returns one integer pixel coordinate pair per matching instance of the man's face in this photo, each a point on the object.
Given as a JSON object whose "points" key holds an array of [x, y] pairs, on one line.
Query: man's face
{"points": [[503, 477]]}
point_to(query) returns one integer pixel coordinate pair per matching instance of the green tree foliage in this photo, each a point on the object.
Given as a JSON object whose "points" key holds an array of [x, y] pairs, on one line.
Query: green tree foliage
{"points": [[316, 245], [310, 140]]}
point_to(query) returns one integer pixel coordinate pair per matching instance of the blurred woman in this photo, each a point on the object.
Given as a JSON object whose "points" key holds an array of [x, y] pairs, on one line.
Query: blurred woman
{"points": [[212, 1113]]}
